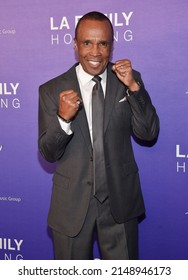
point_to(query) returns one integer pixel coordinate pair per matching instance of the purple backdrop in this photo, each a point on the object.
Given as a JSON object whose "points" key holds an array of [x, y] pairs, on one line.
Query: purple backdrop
{"points": [[36, 44]]}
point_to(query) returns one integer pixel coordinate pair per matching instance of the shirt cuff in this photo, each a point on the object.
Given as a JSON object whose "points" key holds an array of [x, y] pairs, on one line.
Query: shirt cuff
{"points": [[65, 126]]}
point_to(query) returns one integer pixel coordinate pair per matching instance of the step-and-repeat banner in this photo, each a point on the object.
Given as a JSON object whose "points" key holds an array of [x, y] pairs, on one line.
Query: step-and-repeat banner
{"points": [[36, 44]]}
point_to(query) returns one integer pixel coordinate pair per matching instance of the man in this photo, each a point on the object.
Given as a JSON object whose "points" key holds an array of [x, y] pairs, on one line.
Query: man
{"points": [[68, 134]]}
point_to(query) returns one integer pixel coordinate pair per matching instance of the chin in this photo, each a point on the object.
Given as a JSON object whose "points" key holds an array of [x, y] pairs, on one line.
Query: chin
{"points": [[95, 71], [92, 70]]}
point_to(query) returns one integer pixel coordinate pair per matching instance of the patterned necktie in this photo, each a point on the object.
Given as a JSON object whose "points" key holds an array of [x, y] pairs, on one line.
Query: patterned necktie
{"points": [[100, 190]]}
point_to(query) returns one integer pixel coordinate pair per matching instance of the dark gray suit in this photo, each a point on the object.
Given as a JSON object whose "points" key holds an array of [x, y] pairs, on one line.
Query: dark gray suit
{"points": [[73, 180]]}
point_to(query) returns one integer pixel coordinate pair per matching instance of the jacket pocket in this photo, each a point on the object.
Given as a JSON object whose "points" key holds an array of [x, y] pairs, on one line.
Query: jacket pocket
{"points": [[61, 180]]}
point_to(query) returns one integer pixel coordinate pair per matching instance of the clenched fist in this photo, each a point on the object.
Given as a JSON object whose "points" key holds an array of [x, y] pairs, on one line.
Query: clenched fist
{"points": [[69, 103]]}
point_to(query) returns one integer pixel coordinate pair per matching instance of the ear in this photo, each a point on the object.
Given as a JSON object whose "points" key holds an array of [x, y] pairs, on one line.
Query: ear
{"points": [[75, 44]]}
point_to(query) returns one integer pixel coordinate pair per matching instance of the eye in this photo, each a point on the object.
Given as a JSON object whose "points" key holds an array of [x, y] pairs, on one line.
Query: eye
{"points": [[87, 43], [103, 44]]}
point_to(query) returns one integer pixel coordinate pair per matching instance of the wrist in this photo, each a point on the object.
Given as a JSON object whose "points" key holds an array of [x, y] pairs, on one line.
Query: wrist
{"points": [[63, 119], [135, 87]]}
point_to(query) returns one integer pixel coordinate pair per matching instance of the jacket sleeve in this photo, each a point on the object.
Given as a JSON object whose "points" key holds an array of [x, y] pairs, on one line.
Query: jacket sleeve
{"points": [[145, 121], [52, 139]]}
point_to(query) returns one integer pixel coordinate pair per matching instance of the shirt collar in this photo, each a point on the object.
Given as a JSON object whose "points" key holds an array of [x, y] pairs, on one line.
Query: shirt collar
{"points": [[84, 77]]}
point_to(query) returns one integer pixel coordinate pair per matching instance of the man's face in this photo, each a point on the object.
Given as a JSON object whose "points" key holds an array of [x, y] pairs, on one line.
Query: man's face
{"points": [[94, 45]]}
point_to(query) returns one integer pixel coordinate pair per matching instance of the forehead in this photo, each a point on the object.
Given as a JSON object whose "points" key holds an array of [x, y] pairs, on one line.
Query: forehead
{"points": [[93, 29]]}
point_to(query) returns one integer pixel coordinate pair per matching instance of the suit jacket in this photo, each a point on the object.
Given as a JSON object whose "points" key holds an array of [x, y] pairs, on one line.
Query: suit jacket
{"points": [[73, 178]]}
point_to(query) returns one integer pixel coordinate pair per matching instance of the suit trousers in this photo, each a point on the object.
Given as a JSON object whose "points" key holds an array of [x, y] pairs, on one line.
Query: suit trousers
{"points": [[116, 241]]}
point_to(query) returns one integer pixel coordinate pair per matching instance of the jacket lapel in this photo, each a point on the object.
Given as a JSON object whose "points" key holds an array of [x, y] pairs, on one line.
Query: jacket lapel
{"points": [[81, 118], [112, 88]]}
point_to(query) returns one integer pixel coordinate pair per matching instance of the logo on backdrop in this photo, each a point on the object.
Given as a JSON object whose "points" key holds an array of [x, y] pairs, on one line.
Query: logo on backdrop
{"points": [[9, 96], [11, 249], [182, 159], [6, 32], [10, 199], [62, 30]]}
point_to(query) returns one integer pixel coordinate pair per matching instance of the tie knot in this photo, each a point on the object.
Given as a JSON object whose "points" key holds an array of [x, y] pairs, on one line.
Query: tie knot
{"points": [[96, 79]]}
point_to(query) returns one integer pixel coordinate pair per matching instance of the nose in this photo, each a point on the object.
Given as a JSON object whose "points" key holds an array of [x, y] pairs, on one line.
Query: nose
{"points": [[95, 50]]}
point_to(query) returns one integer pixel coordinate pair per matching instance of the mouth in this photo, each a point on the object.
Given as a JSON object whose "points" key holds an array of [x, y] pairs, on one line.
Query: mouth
{"points": [[94, 63]]}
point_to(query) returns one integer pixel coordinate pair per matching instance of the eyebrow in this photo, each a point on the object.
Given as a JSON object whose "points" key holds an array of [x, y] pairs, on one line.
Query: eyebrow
{"points": [[99, 42]]}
